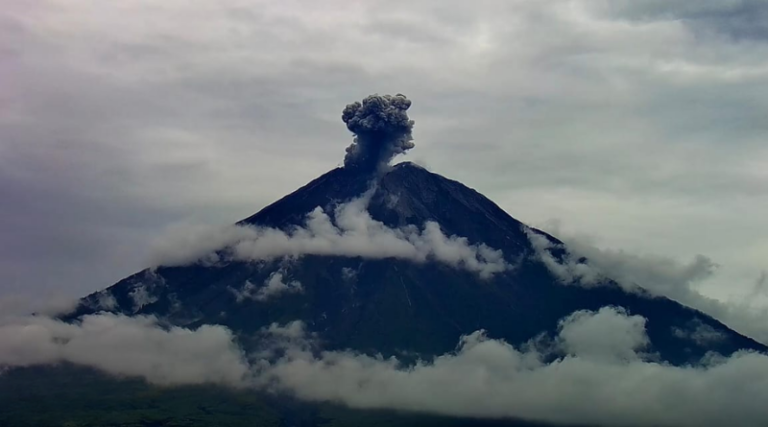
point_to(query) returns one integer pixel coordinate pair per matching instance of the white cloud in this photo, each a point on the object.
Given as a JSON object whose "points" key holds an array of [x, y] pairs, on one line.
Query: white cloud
{"points": [[593, 372], [700, 333], [569, 269], [602, 380], [126, 346], [354, 234], [549, 106], [141, 296], [183, 244], [143, 290], [566, 111], [607, 334], [273, 286], [348, 274], [106, 301], [291, 331], [660, 276]]}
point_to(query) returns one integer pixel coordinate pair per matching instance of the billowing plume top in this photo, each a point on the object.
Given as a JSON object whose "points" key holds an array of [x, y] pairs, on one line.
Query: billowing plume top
{"points": [[382, 130]]}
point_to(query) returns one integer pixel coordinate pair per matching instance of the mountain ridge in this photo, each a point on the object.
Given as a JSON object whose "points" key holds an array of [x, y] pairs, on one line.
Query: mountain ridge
{"points": [[396, 306]]}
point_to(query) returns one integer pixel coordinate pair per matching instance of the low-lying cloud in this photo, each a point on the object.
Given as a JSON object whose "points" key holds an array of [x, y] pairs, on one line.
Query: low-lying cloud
{"points": [[587, 265], [351, 233], [601, 377], [597, 370], [126, 346]]}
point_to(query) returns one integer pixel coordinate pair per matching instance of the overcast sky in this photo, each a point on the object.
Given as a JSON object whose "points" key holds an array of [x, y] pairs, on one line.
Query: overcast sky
{"points": [[640, 123]]}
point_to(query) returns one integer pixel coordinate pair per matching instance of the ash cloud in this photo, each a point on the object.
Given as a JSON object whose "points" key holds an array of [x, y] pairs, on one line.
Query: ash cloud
{"points": [[382, 130]]}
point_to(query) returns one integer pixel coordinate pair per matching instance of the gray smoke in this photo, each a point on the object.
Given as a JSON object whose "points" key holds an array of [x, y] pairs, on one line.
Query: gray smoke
{"points": [[382, 130]]}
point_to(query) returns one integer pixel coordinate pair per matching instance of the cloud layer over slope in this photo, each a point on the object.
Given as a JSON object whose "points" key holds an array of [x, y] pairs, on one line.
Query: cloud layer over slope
{"points": [[586, 265], [121, 345], [598, 369]]}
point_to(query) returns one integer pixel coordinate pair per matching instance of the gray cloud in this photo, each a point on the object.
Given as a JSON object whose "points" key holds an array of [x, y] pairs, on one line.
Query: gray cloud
{"points": [[348, 274], [141, 297], [602, 379], [594, 371], [353, 234], [571, 268], [740, 19], [50, 305], [126, 346], [382, 130], [588, 265], [105, 301], [643, 129], [293, 331], [274, 286], [608, 334], [761, 285], [142, 293]]}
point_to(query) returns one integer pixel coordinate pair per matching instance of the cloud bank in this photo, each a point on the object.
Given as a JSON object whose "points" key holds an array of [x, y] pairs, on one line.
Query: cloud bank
{"points": [[587, 265], [601, 377], [353, 234], [597, 370], [126, 346]]}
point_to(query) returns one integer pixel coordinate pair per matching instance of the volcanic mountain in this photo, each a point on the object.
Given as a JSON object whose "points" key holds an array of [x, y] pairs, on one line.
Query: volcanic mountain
{"points": [[342, 304], [398, 305]]}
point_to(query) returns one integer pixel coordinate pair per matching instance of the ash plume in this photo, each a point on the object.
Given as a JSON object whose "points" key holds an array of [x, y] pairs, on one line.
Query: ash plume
{"points": [[382, 130]]}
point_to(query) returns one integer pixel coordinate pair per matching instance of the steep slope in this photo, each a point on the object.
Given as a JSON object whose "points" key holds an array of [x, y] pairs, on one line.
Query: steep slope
{"points": [[399, 306]]}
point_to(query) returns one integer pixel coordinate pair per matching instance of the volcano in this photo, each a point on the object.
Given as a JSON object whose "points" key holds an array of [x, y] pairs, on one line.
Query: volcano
{"points": [[343, 302], [395, 305]]}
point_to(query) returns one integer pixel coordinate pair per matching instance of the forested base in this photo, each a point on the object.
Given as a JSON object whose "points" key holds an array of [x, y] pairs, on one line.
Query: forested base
{"points": [[69, 396]]}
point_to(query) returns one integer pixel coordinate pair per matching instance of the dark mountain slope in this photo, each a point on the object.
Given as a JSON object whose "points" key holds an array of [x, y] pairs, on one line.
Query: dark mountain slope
{"points": [[393, 305]]}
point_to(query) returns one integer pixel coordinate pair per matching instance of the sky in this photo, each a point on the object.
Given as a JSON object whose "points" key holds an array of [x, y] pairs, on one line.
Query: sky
{"points": [[638, 126]]}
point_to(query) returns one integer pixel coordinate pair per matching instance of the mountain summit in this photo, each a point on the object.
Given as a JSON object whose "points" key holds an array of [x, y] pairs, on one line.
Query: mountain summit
{"points": [[393, 288], [400, 262]]}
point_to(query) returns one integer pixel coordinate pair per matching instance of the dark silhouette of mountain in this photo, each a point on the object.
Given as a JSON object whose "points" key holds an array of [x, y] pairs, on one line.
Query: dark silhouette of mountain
{"points": [[66, 395], [395, 306]]}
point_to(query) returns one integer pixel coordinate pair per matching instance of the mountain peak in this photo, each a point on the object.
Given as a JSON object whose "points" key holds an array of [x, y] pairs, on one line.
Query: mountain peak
{"points": [[384, 259], [373, 302]]}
